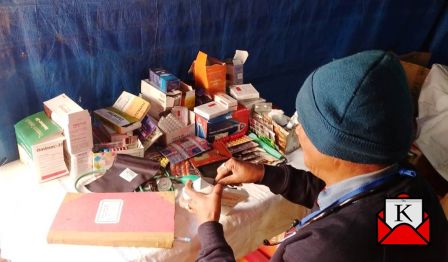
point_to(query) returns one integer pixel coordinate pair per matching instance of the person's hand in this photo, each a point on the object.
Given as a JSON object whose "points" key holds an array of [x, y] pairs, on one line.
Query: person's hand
{"points": [[205, 207], [234, 172]]}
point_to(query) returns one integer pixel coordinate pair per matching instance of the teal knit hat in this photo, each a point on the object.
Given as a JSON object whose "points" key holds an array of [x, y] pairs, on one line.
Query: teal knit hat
{"points": [[358, 108]]}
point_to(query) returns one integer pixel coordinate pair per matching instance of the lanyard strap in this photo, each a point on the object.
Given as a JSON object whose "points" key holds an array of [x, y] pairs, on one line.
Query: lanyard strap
{"points": [[392, 172]]}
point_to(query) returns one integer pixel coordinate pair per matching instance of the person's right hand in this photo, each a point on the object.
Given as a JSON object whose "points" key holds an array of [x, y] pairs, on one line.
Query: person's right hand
{"points": [[234, 172]]}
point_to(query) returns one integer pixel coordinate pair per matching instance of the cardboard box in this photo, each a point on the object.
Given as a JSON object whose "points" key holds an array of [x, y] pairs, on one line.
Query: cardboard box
{"points": [[75, 122], [104, 160], [164, 80], [244, 92], [263, 126], [78, 164], [261, 129], [160, 101], [188, 130], [250, 103], [235, 123], [285, 139], [209, 73], [113, 136], [157, 110], [224, 99], [242, 115], [138, 150], [234, 68], [40, 144], [188, 95], [148, 133], [166, 100], [117, 120], [211, 110], [132, 106]]}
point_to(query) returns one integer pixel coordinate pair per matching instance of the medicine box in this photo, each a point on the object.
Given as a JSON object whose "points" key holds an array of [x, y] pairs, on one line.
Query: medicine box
{"points": [[188, 130], [160, 101], [75, 122], [235, 123], [244, 92], [188, 95], [133, 107], [40, 144], [224, 99], [164, 80], [250, 103], [262, 125], [234, 67], [78, 164], [211, 110], [286, 139], [104, 160], [209, 73], [122, 123], [234, 72], [138, 150]]}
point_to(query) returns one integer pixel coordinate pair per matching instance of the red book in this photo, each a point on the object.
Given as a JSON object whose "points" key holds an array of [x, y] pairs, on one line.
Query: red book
{"points": [[115, 219]]}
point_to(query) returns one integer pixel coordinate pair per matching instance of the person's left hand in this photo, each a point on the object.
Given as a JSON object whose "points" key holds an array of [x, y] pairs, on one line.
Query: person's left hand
{"points": [[205, 207]]}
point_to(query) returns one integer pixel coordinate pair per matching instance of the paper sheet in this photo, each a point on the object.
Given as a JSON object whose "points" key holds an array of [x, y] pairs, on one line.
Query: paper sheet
{"points": [[433, 119]]}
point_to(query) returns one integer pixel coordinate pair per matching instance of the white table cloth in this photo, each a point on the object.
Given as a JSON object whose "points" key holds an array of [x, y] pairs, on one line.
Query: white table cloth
{"points": [[27, 210]]}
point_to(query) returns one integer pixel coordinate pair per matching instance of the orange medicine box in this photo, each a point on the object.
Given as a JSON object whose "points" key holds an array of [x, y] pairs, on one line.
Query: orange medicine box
{"points": [[209, 73]]}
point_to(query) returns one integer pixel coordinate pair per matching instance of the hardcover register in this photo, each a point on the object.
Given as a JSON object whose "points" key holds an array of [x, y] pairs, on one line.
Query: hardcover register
{"points": [[143, 219]]}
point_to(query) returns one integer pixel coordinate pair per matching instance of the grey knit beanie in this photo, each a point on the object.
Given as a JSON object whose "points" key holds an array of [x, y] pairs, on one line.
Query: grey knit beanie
{"points": [[358, 108]]}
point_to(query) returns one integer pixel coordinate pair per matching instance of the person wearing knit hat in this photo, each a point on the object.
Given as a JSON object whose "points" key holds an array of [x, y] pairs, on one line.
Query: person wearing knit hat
{"points": [[355, 128], [358, 109]]}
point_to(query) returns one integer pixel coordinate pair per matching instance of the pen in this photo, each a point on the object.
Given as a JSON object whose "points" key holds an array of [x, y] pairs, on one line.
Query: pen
{"points": [[265, 146]]}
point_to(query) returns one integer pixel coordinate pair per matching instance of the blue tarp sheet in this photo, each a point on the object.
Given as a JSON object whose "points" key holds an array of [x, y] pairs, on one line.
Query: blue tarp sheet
{"points": [[92, 50]]}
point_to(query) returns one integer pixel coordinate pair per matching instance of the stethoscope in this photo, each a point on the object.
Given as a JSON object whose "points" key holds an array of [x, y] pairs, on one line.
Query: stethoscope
{"points": [[345, 200]]}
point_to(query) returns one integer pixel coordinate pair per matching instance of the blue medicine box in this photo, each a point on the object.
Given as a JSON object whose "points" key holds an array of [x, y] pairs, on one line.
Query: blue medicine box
{"points": [[164, 80]]}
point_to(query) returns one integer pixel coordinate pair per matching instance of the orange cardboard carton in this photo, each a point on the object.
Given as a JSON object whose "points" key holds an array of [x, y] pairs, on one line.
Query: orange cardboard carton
{"points": [[209, 73]]}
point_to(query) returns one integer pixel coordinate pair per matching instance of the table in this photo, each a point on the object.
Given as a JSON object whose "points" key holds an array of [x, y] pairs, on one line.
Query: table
{"points": [[27, 210]]}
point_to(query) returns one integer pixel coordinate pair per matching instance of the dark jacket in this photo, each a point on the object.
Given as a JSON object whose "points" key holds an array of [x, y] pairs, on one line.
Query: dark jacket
{"points": [[349, 234]]}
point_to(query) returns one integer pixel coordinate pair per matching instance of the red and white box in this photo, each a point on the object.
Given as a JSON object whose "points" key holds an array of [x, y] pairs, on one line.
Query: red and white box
{"points": [[244, 92], [211, 110], [224, 99]]}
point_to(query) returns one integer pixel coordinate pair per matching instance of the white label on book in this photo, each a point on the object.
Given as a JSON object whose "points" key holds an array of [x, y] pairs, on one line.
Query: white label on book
{"points": [[109, 211], [128, 174]]}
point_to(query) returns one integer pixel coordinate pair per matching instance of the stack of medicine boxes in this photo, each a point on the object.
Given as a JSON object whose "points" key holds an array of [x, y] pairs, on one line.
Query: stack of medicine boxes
{"points": [[220, 118], [170, 100], [77, 128]]}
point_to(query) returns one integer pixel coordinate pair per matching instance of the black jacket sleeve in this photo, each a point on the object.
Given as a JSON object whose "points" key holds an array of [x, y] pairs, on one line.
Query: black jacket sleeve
{"points": [[213, 244], [298, 186]]}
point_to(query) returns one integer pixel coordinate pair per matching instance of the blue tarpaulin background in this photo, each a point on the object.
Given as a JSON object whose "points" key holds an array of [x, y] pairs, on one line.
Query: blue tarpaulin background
{"points": [[92, 50]]}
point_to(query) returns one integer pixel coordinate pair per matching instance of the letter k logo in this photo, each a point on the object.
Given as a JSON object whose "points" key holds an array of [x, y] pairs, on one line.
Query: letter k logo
{"points": [[403, 222], [402, 212]]}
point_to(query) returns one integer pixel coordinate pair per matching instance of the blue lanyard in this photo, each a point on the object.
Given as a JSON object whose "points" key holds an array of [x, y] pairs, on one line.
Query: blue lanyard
{"points": [[392, 172]]}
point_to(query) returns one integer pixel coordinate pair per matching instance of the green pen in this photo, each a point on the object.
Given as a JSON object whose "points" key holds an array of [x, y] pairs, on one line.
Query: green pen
{"points": [[265, 146]]}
